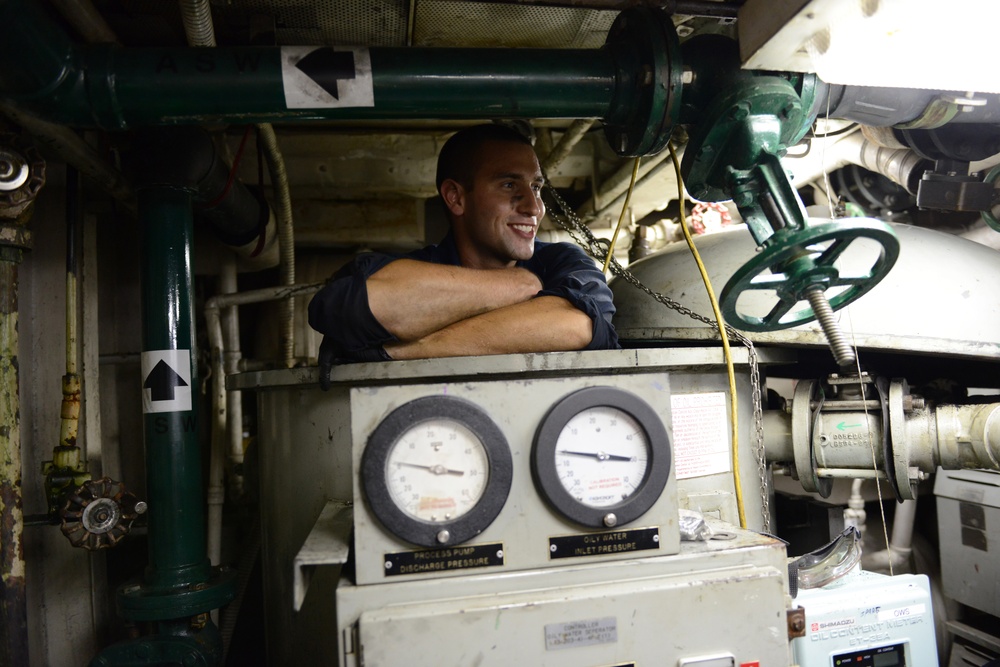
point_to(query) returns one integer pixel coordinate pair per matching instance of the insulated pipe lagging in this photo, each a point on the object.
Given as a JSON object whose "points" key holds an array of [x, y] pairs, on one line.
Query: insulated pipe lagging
{"points": [[286, 235], [570, 138], [902, 166], [884, 107]]}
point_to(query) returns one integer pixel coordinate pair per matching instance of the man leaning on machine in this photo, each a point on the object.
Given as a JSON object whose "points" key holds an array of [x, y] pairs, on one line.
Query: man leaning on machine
{"points": [[489, 287]]}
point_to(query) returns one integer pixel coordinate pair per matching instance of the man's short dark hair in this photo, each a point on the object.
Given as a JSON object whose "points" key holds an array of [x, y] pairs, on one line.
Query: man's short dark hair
{"points": [[460, 154]]}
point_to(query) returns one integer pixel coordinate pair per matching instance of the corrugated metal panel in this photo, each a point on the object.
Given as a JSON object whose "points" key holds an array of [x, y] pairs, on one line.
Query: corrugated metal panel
{"points": [[354, 22], [475, 24]]}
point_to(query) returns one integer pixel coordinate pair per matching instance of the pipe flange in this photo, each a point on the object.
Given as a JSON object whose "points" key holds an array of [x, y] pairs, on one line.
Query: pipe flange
{"points": [[803, 431], [22, 174], [898, 390], [145, 602], [99, 514], [648, 77], [13, 235]]}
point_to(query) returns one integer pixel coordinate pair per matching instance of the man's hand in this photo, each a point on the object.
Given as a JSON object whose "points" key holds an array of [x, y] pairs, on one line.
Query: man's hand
{"points": [[544, 324], [414, 299]]}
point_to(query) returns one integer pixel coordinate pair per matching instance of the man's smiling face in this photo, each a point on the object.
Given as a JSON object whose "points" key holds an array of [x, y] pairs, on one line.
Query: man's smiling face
{"points": [[503, 207]]}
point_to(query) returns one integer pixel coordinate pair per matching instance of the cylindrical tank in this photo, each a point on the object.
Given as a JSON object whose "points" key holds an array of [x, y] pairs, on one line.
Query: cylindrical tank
{"points": [[937, 301]]}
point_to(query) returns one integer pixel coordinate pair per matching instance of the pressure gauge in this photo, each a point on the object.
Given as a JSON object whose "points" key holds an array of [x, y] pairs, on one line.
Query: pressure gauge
{"points": [[601, 457], [436, 471]]}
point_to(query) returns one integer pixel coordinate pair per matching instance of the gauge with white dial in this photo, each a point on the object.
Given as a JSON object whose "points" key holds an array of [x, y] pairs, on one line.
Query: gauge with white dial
{"points": [[436, 471], [601, 457]]}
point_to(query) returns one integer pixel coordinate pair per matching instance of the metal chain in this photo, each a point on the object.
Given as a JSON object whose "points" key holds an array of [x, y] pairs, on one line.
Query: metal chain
{"points": [[571, 223]]}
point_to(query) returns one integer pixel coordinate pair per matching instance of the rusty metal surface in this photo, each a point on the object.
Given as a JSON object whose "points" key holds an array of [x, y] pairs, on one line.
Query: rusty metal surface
{"points": [[13, 603], [796, 622]]}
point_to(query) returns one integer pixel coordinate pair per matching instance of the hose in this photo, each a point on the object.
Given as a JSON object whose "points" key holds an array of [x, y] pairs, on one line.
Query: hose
{"points": [[286, 234], [734, 412]]}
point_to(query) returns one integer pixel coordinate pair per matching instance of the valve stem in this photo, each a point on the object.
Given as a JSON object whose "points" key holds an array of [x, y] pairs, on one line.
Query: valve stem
{"points": [[842, 352]]}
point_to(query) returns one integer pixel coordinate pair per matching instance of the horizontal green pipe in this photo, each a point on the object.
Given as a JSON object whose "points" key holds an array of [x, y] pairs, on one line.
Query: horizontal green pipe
{"points": [[116, 88]]}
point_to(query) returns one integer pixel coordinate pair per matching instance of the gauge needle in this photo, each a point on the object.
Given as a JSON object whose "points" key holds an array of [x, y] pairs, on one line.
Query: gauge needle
{"points": [[600, 456], [437, 469]]}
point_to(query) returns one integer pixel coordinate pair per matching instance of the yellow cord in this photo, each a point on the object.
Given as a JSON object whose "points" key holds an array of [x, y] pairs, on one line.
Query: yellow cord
{"points": [[725, 340], [621, 218]]}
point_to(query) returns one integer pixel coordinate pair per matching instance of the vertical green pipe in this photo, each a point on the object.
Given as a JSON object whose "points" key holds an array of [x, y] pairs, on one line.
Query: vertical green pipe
{"points": [[173, 461], [13, 603]]}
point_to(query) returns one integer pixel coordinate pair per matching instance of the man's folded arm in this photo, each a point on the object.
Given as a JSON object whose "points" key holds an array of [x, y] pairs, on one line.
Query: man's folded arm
{"points": [[383, 306], [412, 299], [543, 324], [569, 273], [379, 299]]}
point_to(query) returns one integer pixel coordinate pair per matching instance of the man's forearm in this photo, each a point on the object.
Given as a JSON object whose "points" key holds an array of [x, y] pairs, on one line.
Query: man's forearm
{"points": [[544, 324], [413, 299]]}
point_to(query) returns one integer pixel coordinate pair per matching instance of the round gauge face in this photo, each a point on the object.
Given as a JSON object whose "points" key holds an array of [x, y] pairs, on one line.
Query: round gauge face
{"points": [[437, 471], [601, 456]]}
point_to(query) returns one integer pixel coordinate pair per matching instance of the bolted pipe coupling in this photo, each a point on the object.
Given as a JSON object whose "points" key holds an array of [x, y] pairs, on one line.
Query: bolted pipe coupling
{"points": [[99, 514]]}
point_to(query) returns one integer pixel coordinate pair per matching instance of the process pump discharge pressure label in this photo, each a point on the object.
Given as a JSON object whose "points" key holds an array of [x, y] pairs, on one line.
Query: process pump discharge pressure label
{"points": [[166, 380]]}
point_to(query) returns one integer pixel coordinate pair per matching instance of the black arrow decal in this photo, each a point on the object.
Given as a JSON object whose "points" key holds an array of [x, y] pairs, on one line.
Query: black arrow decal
{"points": [[162, 380], [326, 67]]}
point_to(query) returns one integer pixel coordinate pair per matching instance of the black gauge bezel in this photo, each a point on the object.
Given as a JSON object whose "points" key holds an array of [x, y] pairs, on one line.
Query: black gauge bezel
{"points": [[388, 433], [543, 460]]}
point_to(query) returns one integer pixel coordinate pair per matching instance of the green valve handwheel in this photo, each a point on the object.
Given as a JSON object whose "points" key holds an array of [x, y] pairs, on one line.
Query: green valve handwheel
{"points": [[800, 265]]}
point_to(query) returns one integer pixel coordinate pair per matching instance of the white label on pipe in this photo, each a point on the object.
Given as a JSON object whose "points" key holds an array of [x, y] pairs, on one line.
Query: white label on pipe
{"points": [[166, 380]]}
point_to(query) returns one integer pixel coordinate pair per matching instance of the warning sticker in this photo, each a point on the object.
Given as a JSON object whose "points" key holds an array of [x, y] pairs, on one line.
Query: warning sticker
{"points": [[326, 77], [701, 434], [166, 380]]}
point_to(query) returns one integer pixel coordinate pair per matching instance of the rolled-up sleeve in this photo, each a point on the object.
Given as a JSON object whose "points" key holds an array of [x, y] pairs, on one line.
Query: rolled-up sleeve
{"points": [[567, 272], [341, 313]]}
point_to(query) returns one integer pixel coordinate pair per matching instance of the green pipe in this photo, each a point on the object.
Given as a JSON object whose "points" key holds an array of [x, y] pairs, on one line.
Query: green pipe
{"points": [[179, 586], [173, 459], [112, 87], [633, 83]]}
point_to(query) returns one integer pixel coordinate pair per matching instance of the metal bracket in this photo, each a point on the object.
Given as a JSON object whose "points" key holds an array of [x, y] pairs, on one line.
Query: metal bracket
{"points": [[899, 389], [796, 622], [328, 543]]}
